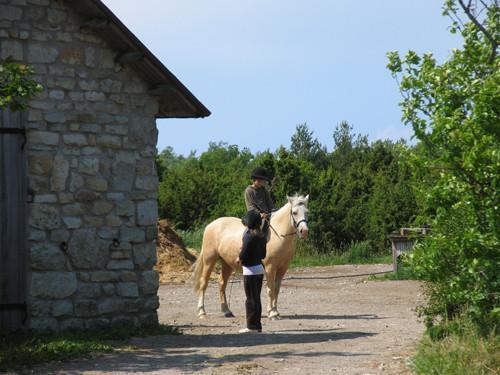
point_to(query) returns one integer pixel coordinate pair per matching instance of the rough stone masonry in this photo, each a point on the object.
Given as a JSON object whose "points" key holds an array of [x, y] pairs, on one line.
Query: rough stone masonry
{"points": [[91, 142]]}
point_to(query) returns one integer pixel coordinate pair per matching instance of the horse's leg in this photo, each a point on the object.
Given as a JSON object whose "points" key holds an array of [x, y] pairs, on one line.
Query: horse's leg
{"points": [[208, 266], [271, 291], [277, 287], [225, 274]]}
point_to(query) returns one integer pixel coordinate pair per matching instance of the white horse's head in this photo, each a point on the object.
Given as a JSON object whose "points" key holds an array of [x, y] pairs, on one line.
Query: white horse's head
{"points": [[298, 215]]}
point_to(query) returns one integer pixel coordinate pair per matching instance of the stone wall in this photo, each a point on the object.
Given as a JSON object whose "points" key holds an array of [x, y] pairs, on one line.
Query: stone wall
{"points": [[91, 138]]}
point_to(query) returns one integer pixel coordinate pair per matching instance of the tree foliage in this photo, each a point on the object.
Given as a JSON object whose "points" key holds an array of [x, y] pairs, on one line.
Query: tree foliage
{"points": [[350, 187], [16, 85], [453, 108]]}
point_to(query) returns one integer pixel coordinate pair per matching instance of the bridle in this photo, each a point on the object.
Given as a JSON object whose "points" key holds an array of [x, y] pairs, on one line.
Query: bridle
{"points": [[295, 224]]}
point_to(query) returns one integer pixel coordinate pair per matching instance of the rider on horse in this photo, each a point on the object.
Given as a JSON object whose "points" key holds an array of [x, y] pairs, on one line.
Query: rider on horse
{"points": [[258, 198]]}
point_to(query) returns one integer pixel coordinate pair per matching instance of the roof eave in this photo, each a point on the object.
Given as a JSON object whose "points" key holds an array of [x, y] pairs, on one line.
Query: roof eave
{"points": [[175, 100]]}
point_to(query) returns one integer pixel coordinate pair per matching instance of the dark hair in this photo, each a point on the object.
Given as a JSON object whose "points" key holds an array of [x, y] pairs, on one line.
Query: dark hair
{"points": [[252, 219]]}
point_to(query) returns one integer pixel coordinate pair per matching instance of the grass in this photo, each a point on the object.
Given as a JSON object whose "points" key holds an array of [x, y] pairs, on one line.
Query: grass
{"points": [[20, 350], [403, 273], [465, 353], [358, 253], [192, 238]]}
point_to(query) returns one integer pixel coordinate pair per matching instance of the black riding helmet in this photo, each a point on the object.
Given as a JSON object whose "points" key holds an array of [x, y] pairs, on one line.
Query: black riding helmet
{"points": [[252, 219], [259, 173]]}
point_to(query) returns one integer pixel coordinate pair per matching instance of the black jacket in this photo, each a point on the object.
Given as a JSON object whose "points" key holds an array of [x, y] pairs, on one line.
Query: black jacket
{"points": [[253, 249]]}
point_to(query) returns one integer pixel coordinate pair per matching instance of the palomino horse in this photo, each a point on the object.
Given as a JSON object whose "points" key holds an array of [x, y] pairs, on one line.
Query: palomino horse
{"points": [[222, 240]]}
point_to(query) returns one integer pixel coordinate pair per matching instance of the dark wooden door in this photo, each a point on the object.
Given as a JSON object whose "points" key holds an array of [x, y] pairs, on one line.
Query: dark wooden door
{"points": [[13, 218]]}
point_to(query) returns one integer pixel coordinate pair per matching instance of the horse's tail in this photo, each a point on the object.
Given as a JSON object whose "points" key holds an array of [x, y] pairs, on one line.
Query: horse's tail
{"points": [[198, 269]]}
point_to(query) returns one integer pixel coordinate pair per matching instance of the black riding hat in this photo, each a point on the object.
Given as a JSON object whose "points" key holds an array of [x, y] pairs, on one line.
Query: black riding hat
{"points": [[259, 173], [252, 219]]}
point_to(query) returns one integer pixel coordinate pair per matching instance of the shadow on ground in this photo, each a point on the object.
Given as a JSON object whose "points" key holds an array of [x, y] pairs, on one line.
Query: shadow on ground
{"points": [[190, 353]]}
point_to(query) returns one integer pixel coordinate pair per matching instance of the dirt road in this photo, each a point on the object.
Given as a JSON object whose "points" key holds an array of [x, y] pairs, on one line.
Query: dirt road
{"points": [[334, 322]]}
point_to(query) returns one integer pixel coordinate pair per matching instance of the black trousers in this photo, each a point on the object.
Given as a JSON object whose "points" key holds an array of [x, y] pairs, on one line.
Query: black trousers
{"points": [[253, 306]]}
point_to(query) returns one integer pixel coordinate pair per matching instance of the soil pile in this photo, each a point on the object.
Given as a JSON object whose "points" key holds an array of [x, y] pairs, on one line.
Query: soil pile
{"points": [[174, 259]]}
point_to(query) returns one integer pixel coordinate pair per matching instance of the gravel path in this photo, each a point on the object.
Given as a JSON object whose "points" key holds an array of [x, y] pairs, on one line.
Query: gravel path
{"points": [[334, 322]]}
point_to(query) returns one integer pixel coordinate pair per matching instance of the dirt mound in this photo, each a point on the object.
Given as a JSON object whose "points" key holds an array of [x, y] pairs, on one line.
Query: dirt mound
{"points": [[174, 259]]}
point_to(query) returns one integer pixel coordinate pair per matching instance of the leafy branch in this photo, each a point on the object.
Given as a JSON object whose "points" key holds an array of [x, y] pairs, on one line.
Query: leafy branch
{"points": [[471, 11], [16, 85]]}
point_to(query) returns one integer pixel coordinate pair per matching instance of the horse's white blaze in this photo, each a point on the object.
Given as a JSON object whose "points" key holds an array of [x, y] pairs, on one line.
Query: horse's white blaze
{"points": [[222, 240]]}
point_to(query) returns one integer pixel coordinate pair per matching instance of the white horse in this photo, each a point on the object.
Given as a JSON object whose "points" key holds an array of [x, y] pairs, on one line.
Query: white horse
{"points": [[222, 240]]}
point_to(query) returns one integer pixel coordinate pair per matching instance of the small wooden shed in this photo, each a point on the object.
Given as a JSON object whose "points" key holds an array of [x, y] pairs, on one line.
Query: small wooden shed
{"points": [[402, 242], [78, 185]]}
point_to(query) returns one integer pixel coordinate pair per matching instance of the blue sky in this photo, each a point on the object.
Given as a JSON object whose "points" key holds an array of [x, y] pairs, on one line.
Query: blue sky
{"points": [[263, 66]]}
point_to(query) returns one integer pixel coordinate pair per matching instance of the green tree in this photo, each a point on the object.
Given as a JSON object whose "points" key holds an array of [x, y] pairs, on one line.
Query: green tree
{"points": [[453, 108], [195, 190], [305, 147], [348, 188], [340, 192], [392, 203]]}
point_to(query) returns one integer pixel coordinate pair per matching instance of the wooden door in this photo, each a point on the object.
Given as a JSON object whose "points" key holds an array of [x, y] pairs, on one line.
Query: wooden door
{"points": [[13, 218]]}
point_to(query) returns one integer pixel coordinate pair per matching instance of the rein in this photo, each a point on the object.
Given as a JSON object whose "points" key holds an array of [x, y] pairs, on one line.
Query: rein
{"points": [[296, 225]]}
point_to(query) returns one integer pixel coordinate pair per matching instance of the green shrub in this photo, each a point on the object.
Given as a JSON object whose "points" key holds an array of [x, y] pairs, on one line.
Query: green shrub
{"points": [[453, 109], [358, 252], [17, 85], [460, 265]]}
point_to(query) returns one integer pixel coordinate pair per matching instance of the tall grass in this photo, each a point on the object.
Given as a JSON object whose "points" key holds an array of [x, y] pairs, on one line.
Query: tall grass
{"points": [[307, 255], [459, 353], [404, 272], [192, 238]]}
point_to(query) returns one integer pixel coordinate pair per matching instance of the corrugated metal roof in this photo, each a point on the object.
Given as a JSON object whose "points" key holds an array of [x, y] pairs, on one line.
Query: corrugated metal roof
{"points": [[176, 101]]}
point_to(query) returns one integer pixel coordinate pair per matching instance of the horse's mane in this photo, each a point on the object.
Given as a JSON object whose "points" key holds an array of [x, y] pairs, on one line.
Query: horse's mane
{"points": [[297, 199]]}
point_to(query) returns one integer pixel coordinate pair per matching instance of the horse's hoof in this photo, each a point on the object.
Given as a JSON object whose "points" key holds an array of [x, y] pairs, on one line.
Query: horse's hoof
{"points": [[275, 317], [228, 314], [202, 316]]}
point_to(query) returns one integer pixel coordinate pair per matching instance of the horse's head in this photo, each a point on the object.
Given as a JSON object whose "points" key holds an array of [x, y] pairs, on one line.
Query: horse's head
{"points": [[298, 215]]}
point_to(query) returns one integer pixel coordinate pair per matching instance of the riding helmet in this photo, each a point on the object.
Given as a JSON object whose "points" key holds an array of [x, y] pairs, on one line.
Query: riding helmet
{"points": [[259, 173], [252, 219]]}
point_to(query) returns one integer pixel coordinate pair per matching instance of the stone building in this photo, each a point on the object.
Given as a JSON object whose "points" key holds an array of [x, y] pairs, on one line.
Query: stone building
{"points": [[78, 184]]}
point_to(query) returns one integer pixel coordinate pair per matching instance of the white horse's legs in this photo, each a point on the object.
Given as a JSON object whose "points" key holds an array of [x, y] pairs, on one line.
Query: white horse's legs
{"points": [[269, 285], [207, 270], [270, 291], [201, 305], [279, 278], [273, 290], [272, 311], [277, 287], [226, 272]]}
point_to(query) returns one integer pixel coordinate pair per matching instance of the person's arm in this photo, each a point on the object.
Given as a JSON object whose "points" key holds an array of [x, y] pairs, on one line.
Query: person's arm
{"points": [[244, 249], [250, 200]]}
